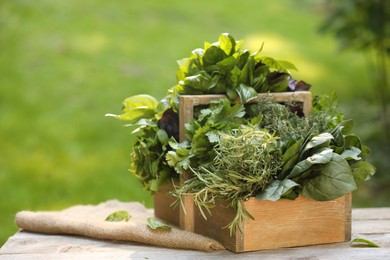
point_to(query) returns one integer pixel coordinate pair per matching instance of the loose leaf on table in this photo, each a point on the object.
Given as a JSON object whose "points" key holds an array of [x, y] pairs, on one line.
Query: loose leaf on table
{"points": [[276, 190], [334, 180], [118, 216], [361, 242], [156, 224]]}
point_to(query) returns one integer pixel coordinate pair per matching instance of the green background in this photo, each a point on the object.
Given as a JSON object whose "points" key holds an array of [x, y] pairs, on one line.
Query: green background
{"points": [[64, 64]]}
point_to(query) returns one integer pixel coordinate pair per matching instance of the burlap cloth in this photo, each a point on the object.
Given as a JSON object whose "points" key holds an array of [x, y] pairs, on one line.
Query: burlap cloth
{"points": [[89, 221]]}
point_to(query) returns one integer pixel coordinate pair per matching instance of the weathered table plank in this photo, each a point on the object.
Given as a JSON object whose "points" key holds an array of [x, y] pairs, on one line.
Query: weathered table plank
{"points": [[372, 224]]}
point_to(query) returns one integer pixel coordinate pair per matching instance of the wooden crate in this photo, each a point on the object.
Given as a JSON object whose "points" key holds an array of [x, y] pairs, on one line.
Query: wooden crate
{"points": [[282, 223], [186, 113]]}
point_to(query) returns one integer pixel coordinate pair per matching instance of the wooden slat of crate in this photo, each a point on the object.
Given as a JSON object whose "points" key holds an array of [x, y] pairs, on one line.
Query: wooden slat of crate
{"points": [[281, 223], [186, 112], [163, 208]]}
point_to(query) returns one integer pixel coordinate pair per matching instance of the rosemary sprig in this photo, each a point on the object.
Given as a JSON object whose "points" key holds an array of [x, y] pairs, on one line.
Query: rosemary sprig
{"points": [[246, 161]]}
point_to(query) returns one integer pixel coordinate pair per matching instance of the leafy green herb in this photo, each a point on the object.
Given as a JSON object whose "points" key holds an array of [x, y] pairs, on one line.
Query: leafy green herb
{"points": [[333, 180], [222, 67], [362, 171], [158, 225], [361, 242], [219, 67], [137, 107], [118, 216]]}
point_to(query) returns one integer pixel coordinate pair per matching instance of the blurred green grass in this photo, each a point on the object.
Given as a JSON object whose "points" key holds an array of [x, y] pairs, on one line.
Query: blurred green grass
{"points": [[64, 64]]}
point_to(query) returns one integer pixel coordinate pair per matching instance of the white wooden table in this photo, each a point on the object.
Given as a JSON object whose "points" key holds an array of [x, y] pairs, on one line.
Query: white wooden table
{"points": [[372, 224]]}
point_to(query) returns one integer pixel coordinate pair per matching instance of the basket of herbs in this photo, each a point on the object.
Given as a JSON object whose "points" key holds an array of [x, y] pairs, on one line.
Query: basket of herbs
{"points": [[234, 148]]}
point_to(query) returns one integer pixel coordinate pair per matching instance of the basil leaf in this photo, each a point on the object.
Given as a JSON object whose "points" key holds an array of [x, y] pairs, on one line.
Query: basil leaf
{"points": [[162, 136], [118, 216], [158, 225], [335, 179], [276, 189]]}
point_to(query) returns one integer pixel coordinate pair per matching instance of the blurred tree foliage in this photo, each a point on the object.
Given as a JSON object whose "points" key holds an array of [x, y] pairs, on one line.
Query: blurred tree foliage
{"points": [[365, 25]]}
